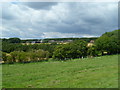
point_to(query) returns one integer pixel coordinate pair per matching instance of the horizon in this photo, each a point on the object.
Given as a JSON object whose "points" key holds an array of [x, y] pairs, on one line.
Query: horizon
{"points": [[43, 38]]}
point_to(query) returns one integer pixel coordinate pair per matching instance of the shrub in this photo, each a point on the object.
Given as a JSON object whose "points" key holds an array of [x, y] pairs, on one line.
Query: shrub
{"points": [[9, 59], [4, 56], [92, 51]]}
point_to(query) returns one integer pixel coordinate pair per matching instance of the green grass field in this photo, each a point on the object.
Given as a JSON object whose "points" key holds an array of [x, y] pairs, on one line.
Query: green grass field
{"points": [[98, 72]]}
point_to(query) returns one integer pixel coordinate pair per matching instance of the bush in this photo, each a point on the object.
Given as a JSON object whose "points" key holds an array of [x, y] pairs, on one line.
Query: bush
{"points": [[92, 51], [39, 55], [9, 59], [4, 56]]}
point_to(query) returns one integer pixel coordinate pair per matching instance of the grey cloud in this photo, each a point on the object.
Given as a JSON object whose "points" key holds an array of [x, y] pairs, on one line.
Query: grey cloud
{"points": [[6, 12], [7, 17], [11, 11], [64, 20], [95, 18], [40, 5]]}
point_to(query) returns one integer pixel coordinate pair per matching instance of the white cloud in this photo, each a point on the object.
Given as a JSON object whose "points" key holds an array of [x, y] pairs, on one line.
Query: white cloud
{"points": [[64, 35]]}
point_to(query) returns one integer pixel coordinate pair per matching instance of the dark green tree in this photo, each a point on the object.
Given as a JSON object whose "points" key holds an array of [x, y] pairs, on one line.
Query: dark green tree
{"points": [[92, 51], [109, 42], [4, 56], [76, 49], [14, 40]]}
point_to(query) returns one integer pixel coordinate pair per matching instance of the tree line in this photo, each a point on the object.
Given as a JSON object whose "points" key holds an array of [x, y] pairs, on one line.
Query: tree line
{"points": [[107, 44], [18, 40], [25, 57]]}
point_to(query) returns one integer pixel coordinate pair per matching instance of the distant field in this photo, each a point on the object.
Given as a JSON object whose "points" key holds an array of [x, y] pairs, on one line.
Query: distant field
{"points": [[99, 72]]}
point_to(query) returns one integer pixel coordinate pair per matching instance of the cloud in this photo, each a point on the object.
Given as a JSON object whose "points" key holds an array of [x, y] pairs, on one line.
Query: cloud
{"points": [[40, 5], [65, 35], [43, 20]]}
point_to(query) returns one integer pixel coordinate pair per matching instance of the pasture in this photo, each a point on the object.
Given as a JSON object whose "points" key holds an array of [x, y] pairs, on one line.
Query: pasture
{"points": [[97, 72]]}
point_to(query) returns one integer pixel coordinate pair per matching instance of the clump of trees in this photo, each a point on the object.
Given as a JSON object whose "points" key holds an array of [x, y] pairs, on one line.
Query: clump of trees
{"points": [[12, 40], [76, 49], [10, 47], [24, 57], [109, 42]]}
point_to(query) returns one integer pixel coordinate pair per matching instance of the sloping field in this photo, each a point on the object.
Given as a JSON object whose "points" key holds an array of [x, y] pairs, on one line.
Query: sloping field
{"points": [[98, 72]]}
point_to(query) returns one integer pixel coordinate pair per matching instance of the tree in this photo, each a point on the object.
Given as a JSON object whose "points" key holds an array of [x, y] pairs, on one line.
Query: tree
{"points": [[80, 46], [22, 57], [9, 59], [41, 55], [76, 49], [109, 42], [4, 56], [92, 51], [14, 40], [14, 55]]}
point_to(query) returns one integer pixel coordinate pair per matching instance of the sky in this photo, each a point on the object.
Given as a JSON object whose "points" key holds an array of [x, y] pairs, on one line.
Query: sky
{"points": [[39, 20]]}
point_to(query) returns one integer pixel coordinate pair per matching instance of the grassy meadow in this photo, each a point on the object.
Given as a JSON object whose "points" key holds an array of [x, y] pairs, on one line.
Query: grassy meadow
{"points": [[98, 72]]}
